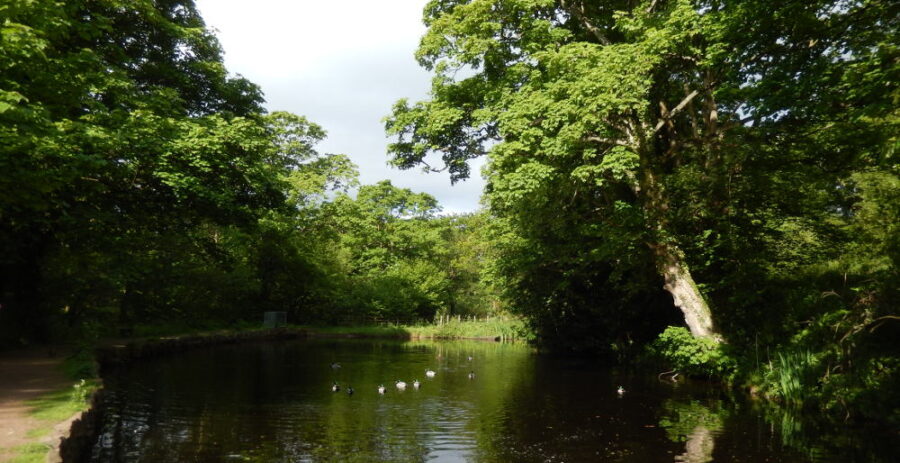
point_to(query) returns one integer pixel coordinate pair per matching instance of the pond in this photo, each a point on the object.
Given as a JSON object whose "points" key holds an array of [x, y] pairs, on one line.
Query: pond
{"points": [[487, 402]]}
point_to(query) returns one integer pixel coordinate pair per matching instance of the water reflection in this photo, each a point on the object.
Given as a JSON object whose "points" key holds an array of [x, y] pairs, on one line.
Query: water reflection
{"points": [[694, 424], [273, 403]]}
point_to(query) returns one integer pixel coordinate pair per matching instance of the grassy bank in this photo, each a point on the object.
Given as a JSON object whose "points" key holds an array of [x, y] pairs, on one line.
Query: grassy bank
{"points": [[504, 329], [501, 329]]}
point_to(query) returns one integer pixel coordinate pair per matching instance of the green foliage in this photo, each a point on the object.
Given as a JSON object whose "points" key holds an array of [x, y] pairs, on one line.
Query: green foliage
{"points": [[148, 186], [130, 151], [757, 141], [693, 356], [469, 254], [81, 365], [398, 261], [498, 328], [754, 143], [501, 328], [794, 376]]}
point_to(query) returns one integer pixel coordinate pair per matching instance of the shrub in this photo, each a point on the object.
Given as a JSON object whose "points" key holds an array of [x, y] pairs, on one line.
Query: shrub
{"points": [[693, 356]]}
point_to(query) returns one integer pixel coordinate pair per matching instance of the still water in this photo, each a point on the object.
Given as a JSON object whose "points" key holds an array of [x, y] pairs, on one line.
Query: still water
{"points": [[272, 402]]}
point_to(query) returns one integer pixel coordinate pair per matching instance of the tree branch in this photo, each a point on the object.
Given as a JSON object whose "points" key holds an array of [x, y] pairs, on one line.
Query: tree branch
{"points": [[675, 110], [608, 141], [580, 15]]}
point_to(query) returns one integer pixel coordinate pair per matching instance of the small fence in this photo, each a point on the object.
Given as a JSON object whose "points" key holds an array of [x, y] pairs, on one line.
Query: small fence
{"points": [[444, 319]]}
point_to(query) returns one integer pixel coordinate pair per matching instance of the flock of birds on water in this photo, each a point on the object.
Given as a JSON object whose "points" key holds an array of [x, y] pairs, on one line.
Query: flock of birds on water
{"points": [[401, 385]]}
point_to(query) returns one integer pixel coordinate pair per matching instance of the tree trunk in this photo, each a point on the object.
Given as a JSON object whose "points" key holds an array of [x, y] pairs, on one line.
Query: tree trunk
{"points": [[685, 294], [670, 260]]}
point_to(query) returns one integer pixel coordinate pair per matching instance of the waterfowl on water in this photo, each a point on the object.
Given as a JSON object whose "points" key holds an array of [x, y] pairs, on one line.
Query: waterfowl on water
{"points": [[381, 389], [620, 390], [335, 387], [335, 365], [416, 384], [470, 358], [471, 375], [430, 373], [349, 390], [400, 384]]}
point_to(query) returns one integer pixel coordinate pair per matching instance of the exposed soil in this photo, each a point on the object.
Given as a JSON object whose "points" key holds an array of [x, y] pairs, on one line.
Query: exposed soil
{"points": [[24, 375]]}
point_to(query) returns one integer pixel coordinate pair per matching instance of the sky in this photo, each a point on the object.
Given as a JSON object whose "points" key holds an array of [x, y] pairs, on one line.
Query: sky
{"points": [[342, 65]]}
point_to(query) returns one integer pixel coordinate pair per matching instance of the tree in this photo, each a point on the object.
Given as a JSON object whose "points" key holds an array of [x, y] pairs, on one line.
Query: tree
{"points": [[122, 133], [391, 248], [646, 117], [468, 260]]}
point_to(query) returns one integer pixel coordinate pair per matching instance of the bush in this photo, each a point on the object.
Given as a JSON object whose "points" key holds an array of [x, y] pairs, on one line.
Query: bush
{"points": [[693, 356]]}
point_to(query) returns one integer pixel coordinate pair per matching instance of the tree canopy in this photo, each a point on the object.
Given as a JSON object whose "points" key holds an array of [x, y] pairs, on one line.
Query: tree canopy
{"points": [[725, 152]]}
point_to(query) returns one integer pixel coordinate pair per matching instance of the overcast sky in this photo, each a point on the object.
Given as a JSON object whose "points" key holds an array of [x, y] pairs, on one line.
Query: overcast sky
{"points": [[342, 65]]}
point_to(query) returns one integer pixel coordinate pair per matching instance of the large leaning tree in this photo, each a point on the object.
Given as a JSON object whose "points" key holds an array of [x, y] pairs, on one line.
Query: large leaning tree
{"points": [[616, 100]]}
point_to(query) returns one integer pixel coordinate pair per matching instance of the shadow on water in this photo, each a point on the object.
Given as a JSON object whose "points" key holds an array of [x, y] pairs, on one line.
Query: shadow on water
{"points": [[488, 402]]}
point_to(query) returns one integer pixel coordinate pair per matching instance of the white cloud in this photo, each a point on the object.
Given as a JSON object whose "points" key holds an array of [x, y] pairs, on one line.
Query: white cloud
{"points": [[343, 65]]}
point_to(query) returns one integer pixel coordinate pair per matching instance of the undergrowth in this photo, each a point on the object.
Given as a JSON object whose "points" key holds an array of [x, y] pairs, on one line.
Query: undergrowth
{"points": [[684, 353]]}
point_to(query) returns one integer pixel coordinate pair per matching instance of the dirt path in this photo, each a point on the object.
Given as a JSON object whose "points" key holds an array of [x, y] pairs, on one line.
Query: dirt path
{"points": [[24, 375]]}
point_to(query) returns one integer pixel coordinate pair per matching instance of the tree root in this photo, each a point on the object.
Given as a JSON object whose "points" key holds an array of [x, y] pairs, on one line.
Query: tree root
{"points": [[671, 378]]}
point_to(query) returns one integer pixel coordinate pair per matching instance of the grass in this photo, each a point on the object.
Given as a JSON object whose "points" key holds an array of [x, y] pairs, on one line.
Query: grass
{"points": [[51, 409], [38, 433], [30, 453], [59, 405], [502, 328], [794, 375], [505, 329], [175, 328], [373, 331]]}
